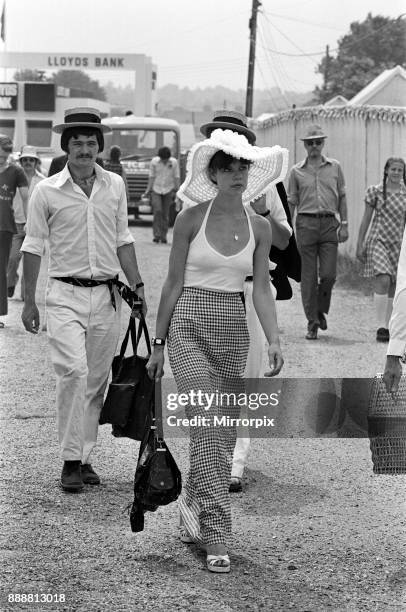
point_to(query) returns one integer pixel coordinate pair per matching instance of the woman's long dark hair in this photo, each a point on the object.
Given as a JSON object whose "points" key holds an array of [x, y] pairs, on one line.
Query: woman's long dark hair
{"points": [[390, 161]]}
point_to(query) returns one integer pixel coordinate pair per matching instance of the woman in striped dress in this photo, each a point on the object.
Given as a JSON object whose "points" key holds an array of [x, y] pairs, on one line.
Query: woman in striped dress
{"points": [[385, 204], [201, 313]]}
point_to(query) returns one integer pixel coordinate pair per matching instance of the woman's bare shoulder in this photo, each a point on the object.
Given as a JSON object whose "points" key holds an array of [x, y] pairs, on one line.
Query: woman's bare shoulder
{"points": [[261, 228], [192, 213]]}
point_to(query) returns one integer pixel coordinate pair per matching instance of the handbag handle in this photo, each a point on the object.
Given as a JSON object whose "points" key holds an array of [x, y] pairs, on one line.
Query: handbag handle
{"points": [[135, 336], [159, 432]]}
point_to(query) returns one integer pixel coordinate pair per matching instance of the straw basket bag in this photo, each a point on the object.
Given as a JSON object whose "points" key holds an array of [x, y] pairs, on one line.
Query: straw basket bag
{"points": [[387, 427]]}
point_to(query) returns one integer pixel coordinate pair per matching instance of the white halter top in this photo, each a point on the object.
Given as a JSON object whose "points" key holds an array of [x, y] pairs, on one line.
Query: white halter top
{"points": [[207, 268]]}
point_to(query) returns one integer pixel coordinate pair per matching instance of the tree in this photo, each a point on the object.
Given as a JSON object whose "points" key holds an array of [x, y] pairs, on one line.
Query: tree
{"points": [[29, 75], [76, 79], [371, 46]]}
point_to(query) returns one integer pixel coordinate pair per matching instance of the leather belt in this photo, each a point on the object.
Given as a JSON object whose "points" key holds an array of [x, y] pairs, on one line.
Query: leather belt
{"points": [[318, 215], [126, 293]]}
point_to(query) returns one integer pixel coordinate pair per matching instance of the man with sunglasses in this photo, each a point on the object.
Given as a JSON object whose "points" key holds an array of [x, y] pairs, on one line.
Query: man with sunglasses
{"points": [[317, 191], [30, 163]]}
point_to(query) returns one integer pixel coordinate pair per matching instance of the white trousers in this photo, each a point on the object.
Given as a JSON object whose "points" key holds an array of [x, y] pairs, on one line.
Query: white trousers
{"points": [[83, 331], [253, 369]]}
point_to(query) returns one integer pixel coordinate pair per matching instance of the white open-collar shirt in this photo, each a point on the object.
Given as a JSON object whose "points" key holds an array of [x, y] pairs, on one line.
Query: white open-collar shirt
{"points": [[83, 233]]}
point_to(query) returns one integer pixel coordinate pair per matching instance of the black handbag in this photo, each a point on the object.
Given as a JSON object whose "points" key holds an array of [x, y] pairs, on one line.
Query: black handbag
{"points": [[128, 401], [157, 479]]}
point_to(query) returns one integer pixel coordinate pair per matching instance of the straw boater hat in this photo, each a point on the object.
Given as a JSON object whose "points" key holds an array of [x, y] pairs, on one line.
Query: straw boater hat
{"points": [[268, 164], [313, 131], [81, 117], [29, 151], [231, 120]]}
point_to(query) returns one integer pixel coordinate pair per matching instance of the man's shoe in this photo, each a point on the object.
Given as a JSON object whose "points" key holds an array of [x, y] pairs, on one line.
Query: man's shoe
{"points": [[322, 321], [10, 291], [71, 478], [89, 476], [312, 333], [382, 335], [155, 240], [164, 241]]}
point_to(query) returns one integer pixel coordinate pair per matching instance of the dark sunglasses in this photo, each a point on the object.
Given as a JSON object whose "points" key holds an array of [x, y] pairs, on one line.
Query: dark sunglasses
{"points": [[317, 142], [30, 159]]}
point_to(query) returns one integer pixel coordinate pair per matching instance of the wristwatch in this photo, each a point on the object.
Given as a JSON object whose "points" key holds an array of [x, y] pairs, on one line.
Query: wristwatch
{"points": [[158, 342], [136, 286]]}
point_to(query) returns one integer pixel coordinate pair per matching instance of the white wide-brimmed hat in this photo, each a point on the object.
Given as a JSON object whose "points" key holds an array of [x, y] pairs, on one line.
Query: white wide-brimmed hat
{"points": [[268, 166]]}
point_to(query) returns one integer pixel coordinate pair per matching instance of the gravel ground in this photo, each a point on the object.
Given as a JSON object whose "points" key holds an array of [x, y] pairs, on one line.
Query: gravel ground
{"points": [[314, 529]]}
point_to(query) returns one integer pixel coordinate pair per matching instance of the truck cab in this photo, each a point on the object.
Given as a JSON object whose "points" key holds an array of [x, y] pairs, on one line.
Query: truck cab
{"points": [[139, 139]]}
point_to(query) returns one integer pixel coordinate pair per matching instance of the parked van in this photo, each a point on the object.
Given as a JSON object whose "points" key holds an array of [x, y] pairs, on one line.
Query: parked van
{"points": [[139, 139]]}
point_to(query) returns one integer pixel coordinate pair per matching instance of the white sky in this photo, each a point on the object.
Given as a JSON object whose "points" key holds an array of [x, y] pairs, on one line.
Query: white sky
{"points": [[193, 42]]}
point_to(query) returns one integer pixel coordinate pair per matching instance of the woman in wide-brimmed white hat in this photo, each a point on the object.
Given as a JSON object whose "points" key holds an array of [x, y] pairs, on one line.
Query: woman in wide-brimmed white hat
{"points": [[215, 245]]}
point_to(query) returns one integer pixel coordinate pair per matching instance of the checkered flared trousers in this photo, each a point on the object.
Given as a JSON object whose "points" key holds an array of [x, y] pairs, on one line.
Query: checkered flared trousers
{"points": [[208, 345]]}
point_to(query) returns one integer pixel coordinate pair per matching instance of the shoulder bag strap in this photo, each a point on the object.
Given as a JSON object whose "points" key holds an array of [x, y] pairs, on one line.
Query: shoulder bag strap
{"points": [[135, 336], [125, 341], [142, 327], [159, 432]]}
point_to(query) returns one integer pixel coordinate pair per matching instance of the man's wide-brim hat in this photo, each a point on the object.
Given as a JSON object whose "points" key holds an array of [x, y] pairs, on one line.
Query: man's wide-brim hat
{"points": [[81, 117], [229, 120], [313, 131], [268, 166]]}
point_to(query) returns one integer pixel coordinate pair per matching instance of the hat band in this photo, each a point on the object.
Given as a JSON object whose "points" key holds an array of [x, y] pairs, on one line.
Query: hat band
{"points": [[230, 120], [82, 118]]}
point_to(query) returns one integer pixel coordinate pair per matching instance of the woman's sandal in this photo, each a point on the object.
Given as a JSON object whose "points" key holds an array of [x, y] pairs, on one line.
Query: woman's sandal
{"points": [[219, 564], [184, 536], [235, 484]]}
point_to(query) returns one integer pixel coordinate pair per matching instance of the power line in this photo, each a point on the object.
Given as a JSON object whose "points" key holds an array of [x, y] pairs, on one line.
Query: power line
{"points": [[318, 53], [276, 67], [289, 40], [319, 25]]}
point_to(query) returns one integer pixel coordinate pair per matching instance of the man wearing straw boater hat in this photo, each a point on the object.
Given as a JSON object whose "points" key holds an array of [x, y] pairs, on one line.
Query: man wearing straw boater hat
{"points": [[82, 212], [317, 192]]}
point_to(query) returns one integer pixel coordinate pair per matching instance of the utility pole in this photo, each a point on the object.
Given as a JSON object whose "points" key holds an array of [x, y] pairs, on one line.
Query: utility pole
{"points": [[326, 75], [251, 62]]}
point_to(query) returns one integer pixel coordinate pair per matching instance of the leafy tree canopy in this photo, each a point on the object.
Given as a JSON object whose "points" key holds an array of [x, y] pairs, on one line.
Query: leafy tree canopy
{"points": [[29, 75], [76, 79], [80, 84], [371, 46]]}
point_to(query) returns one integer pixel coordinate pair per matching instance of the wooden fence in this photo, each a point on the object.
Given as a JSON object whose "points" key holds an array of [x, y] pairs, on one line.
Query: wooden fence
{"points": [[361, 138]]}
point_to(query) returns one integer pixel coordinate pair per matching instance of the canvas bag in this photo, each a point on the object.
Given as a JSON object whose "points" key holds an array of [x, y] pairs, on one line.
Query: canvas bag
{"points": [[128, 401]]}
